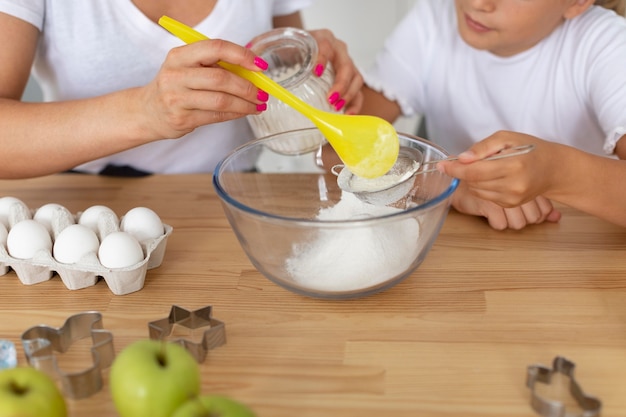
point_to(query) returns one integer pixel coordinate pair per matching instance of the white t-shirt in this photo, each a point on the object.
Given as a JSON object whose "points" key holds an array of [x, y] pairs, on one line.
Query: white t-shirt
{"points": [[91, 47], [569, 88]]}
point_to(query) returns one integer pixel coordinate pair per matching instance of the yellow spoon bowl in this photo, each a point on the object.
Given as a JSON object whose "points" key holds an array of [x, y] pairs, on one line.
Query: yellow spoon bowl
{"points": [[367, 145]]}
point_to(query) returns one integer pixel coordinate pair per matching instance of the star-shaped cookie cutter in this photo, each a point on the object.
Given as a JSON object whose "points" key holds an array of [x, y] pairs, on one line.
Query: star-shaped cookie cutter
{"points": [[214, 335], [589, 405], [41, 342]]}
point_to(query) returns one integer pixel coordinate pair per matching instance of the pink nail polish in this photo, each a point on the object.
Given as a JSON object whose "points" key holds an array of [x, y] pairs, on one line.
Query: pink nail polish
{"points": [[339, 105], [260, 62], [262, 95], [261, 107], [248, 45], [319, 70], [334, 97]]}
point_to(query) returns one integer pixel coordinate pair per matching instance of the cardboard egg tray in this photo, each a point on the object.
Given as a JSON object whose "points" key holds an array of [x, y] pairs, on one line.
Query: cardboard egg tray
{"points": [[86, 272]]}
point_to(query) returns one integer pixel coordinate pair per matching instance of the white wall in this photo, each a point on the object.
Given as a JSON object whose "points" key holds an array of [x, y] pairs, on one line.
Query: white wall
{"points": [[33, 92], [364, 26]]}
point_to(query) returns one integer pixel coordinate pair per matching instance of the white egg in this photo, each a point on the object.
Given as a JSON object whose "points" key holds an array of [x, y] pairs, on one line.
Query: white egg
{"points": [[90, 216], [47, 212], [26, 238], [3, 234], [74, 242], [120, 250], [5, 208], [143, 223]]}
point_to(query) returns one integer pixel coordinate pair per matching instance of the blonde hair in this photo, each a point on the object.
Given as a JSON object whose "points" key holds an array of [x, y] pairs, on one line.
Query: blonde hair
{"points": [[619, 6]]}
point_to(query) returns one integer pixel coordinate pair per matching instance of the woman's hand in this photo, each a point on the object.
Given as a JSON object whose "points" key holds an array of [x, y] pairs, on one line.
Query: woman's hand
{"points": [[345, 93], [191, 90]]}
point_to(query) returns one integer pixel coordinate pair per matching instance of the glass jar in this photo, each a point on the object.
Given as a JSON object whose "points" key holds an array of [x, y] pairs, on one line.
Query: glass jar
{"points": [[291, 55]]}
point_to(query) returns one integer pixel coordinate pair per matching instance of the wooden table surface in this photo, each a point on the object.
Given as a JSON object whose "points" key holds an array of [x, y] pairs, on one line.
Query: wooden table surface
{"points": [[454, 339]]}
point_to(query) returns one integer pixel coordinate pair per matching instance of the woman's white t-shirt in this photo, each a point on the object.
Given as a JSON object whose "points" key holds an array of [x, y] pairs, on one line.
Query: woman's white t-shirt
{"points": [[90, 48], [570, 88]]}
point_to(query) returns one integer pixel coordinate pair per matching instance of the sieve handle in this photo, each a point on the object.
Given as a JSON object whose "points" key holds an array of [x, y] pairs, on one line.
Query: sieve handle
{"points": [[501, 154]]}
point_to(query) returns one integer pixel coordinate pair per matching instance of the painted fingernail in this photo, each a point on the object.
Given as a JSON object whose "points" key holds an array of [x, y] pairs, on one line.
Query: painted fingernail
{"points": [[319, 70], [261, 107], [334, 97], [249, 45], [260, 62], [262, 95], [339, 105]]}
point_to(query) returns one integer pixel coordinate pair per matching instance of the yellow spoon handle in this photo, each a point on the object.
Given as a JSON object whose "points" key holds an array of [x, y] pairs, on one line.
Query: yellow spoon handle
{"points": [[262, 81]]}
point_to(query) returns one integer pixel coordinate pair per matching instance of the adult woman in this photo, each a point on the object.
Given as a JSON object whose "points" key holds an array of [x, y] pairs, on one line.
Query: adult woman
{"points": [[120, 91]]}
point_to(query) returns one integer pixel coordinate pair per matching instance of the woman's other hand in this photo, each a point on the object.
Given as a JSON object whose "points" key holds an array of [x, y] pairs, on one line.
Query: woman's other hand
{"points": [[345, 94]]}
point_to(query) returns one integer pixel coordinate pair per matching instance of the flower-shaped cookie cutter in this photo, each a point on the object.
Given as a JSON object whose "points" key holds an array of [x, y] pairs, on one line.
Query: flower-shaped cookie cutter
{"points": [[214, 333], [41, 342], [589, 405]]}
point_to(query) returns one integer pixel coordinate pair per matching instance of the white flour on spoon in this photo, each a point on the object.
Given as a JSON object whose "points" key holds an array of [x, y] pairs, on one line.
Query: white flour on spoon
{"points": [[341, 259]]}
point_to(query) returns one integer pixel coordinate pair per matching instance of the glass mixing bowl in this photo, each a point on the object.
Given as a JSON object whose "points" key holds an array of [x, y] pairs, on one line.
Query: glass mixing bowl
{"points": [[301, 231]]}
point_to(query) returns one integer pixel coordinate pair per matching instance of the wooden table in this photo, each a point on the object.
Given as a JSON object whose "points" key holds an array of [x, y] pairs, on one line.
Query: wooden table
{"points": [[454, 339]]}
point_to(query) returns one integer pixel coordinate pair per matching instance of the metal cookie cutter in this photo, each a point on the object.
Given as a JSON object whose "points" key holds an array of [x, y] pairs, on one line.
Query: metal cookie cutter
{"points": [[213, 336], [589, 405], [41, 342]]}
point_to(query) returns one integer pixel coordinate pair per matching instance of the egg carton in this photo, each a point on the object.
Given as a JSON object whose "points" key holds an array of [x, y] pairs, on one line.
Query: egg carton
{"points": [[88, 270]]}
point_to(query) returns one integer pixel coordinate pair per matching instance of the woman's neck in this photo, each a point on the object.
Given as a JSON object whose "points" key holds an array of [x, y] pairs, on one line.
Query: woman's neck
{"points": [[190, 12]]}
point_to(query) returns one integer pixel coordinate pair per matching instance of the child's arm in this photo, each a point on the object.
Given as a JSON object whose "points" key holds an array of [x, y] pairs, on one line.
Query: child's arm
{"points": [[376, 104], [590, 183]]}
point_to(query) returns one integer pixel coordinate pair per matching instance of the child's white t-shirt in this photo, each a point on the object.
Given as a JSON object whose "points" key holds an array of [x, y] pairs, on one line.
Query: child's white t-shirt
{"points": [[570, 88], [89, 48]]}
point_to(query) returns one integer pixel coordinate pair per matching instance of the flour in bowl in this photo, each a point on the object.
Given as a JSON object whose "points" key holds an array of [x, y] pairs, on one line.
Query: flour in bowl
{"points": [[344, 259]]}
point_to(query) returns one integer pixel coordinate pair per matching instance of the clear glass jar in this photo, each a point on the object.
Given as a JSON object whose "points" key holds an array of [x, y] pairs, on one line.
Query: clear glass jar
{"points": [[291, 55]]}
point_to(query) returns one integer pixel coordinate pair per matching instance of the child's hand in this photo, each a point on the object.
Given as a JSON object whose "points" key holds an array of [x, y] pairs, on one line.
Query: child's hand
{"points": [[345, 93], [508, 182], [536, 211], [508, 192]]}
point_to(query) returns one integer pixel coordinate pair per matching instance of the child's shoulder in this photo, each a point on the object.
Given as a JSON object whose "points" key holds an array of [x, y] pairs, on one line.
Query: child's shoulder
{"points": [[597, 28], [598, 19]]}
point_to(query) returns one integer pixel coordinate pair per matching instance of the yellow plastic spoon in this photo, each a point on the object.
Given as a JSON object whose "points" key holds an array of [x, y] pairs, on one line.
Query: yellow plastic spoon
{"points": [[367, 145]]}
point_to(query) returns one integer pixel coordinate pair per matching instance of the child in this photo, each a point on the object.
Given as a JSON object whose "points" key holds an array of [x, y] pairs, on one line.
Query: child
{"points": [[551, 69]]}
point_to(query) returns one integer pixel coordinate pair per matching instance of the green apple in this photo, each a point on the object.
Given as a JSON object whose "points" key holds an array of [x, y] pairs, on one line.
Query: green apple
{"points": [[213, 406], [28, 392], [152, 378]]}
